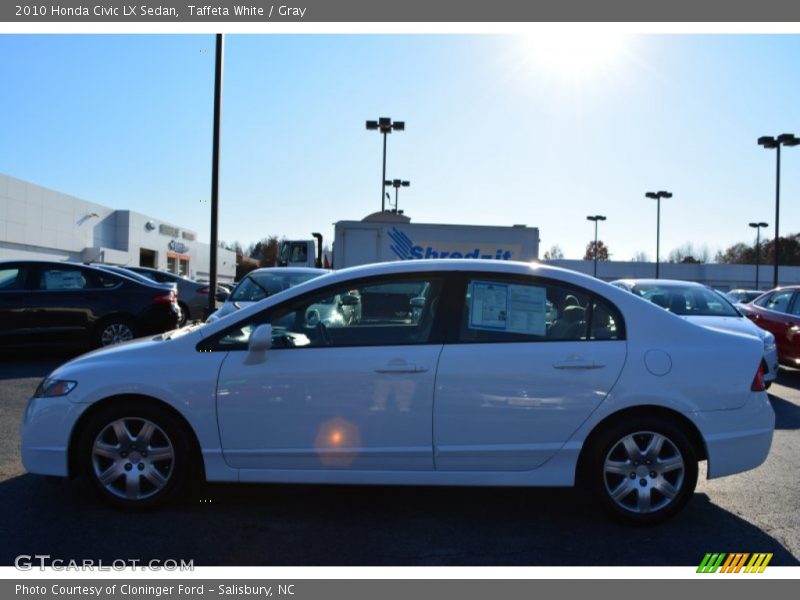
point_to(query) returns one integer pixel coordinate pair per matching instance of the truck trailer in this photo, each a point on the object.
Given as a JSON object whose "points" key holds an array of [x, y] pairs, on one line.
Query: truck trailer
{"points": [[388, 236]]}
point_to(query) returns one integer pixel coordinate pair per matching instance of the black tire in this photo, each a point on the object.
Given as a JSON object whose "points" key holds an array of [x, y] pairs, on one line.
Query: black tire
{"points": [[608, 445], [169, 435], [184, 314], [107, 328]]}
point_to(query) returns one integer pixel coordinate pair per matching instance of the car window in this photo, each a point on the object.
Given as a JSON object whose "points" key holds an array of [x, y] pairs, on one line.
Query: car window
{"points": [[777, 301], [257, 286], [62, 278], [687, 300], [148, 274], [513, 311], [12, 279], [105, 280], [374, 314]]}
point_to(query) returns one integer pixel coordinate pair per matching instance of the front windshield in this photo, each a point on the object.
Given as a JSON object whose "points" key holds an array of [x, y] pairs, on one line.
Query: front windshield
{"points": [[687, 300], [257, 286]]}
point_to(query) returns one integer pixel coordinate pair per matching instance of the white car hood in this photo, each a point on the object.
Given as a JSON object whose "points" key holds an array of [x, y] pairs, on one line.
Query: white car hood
{"points": [[735, 324]]}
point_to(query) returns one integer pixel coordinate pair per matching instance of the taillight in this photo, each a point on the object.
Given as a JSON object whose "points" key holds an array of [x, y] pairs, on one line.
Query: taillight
{"points": [[169, 297], [204, 290], [758, 380]]}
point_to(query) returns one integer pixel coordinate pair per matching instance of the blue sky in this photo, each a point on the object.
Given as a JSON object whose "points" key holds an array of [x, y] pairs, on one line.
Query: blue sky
{"points": [[500, 130]]}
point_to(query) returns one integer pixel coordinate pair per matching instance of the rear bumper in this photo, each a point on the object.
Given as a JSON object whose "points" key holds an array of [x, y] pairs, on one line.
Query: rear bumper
{"points": [[737, 440], [159, 318], [771, 359]]}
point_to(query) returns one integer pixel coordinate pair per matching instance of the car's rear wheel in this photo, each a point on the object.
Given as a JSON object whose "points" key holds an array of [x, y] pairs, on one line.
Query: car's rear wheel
{"points": [[643, 470], [136, 456], [114, 331]]}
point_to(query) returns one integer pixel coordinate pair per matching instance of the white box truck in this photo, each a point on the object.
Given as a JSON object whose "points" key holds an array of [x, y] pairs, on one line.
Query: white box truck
{"points": [[387, 236]]}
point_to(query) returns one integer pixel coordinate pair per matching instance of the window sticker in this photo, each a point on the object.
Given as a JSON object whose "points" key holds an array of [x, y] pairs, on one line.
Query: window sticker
{"points": [[63, 280], [508, 307]]}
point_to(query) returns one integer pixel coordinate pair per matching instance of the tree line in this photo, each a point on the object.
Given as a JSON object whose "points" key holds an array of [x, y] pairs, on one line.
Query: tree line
{"points": [[739, 253]]}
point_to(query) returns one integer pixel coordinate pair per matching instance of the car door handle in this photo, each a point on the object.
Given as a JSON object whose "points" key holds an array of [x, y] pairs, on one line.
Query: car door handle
{"points": [[575, 365], [404, 368]]}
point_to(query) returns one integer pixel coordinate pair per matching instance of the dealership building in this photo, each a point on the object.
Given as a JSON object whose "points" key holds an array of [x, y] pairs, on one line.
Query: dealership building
{"points": [[40, 223]]}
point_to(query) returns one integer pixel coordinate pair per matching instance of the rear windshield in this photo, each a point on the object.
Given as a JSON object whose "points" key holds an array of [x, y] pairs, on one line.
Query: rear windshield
{"points": [[687, 301]]}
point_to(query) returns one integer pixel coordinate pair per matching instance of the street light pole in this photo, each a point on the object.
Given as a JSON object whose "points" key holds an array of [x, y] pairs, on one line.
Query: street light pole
{"points": [[758, 227], [657, 196], [396, 184], [385, 125], [595, 218], [769, 143], [212, 275]]}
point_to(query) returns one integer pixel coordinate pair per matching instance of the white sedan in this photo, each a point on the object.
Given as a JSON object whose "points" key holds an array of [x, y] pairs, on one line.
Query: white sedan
{"points": [[706, 307], [505, 374]]}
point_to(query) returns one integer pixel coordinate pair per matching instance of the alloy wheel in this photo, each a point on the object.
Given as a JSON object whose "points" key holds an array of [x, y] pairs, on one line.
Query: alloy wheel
{"points": [[132, 458], [643, 472], [114, 333]]}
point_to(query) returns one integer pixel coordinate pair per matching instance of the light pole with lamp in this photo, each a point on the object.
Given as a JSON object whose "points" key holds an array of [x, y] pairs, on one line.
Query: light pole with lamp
{"points": [[657, 196], [396, 184], [595, 218], [769, 143], [385, 125], [758, 227]]}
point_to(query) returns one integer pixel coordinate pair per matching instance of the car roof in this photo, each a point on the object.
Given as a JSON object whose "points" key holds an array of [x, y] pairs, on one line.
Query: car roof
{"points": [[289, 270], [661, 282]]}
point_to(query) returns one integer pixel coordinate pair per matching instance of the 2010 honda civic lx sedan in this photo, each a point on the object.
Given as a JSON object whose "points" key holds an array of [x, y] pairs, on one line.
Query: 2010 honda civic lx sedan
{"points": [[459, 372]]}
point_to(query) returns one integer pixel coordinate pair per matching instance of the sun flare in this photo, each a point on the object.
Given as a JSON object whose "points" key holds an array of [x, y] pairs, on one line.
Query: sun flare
{"points": [[574, 54]]}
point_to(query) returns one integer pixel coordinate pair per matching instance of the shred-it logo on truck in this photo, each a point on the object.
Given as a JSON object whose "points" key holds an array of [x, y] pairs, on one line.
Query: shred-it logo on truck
{"points": [[406, 249], [735, 562]]}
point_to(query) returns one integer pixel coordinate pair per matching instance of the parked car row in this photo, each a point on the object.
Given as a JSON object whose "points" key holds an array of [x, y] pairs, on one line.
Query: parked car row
{"points": [[50, 303], [44, 303]]}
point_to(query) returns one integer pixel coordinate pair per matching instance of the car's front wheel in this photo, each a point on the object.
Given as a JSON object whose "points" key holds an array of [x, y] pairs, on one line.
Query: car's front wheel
{"points": [[137, 456], [643, 470]]}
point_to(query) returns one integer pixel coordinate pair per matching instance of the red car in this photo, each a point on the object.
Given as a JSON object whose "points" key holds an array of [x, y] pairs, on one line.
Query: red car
{"points": [[778, 311]]}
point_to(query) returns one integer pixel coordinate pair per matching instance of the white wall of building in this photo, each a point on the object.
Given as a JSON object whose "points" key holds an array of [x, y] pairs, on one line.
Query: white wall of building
{"points": [[40, 223], [720, 276]]}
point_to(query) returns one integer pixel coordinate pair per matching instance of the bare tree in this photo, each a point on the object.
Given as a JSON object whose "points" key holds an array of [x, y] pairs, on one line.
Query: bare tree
{"points": [[554, 253], [689, 253]]}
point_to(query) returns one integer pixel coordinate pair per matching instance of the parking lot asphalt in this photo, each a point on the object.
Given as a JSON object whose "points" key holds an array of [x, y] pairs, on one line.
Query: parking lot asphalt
{"points": [[232, 524]]}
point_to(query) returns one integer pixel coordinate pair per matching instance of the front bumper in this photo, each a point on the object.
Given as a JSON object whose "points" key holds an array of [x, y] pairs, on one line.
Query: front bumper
{"points": [[45, 434], [737, 440]]}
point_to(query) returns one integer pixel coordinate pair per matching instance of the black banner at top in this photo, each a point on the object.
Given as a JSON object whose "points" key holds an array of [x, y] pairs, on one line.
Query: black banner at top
{"points": [[465, 11]]}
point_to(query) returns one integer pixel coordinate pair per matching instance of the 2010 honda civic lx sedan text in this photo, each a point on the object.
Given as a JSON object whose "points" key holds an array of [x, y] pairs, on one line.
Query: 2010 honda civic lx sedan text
{"points": [[458, 372]]}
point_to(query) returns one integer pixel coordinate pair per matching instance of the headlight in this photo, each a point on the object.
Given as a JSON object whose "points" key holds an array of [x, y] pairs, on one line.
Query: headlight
{"points": [[50, 388]]}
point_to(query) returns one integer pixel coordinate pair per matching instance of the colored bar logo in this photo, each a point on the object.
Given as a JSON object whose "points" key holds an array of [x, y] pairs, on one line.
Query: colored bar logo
{"points": [[734, 562]]}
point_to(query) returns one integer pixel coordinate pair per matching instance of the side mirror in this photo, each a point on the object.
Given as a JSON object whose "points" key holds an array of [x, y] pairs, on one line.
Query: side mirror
{"points": [[222, 296], [350, 300], [260, 339]]}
